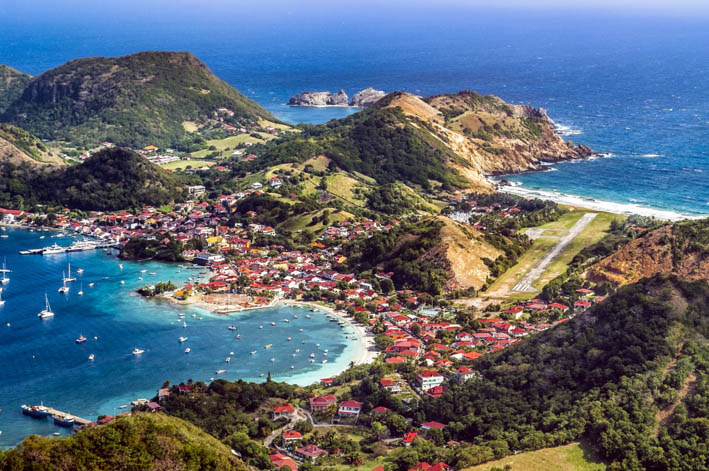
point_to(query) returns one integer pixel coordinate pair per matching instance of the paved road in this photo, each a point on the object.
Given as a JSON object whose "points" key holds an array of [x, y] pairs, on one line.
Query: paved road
{"points": [[525, 284]]}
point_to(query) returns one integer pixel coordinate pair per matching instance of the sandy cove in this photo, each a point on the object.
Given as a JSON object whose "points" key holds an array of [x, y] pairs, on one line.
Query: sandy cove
{"points": [[366, 351]]}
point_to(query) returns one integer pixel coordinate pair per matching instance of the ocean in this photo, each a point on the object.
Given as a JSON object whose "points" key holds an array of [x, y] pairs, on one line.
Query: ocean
{"points": [[629, 85], [41, 362]]}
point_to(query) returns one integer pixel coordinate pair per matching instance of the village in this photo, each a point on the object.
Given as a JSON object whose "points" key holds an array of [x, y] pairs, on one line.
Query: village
{"points": [[428, 344]]}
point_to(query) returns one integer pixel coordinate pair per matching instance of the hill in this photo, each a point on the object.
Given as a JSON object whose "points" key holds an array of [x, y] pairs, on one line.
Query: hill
{"points": [[12, 84], [109, 180], [681, 248], [19, 146], [135, 100], [603, 376], [140, 442], [445, 142]]}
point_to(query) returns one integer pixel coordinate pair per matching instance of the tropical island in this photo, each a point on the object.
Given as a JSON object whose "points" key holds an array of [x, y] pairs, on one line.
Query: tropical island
{"points": [[503, 328]]}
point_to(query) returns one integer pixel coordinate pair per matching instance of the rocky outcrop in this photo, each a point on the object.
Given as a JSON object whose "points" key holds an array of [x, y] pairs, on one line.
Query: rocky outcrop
{"points": [[680, 249], [320, 99], [366, 97]]}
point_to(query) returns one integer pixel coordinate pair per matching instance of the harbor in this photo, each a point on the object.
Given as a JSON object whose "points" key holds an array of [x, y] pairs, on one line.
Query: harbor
{"points": [[76, 246], [61, 418]]}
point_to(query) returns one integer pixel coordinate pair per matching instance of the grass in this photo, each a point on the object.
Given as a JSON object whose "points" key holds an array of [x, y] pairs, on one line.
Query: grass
{"points": [[302, 221], [366, 466], [184, 163], [594, 232], [190, 126], [572, 457], [342, 186], [229, 143]]}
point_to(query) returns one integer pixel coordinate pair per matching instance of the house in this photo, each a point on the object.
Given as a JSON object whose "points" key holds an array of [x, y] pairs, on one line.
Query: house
{"points": [[391, 386], [436, 391], [280, 461], [349, 408], [196, 190], [154, 407], [310, 452], [409, 438], [284, 410], [380, 410], [321, 403], [463, 374], [429, 379], [433, 425], [290, 436], [206, 258], [163, 394]]}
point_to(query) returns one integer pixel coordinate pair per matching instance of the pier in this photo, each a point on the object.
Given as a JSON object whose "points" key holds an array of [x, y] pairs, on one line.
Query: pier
{"points": [[77, 420]]}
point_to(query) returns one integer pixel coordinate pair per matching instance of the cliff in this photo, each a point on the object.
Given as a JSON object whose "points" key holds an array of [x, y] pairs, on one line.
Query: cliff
{"points": [[366, 97], [12, 84], [680, 249], [133, 100]]}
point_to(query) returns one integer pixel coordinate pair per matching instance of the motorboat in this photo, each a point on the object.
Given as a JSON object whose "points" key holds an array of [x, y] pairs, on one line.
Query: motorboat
{"points": [[81, 339], [63, 420], [324, 361], [182, 339], [138, 351], [227, 360], [123, 282], [188, 350], [120, 266], [300, 330], [221, 371], [308, 316], [253, 352], [81, 291], [38, 412], [47, 312], [268, 346], [273, 360], [91, 285], [232, 327], [184, 325], [260, 327], [289, 339], [80, 271], [238, 336], [273, 323]]}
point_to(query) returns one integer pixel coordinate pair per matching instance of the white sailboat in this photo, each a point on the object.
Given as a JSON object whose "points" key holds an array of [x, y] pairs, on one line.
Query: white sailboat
{"points": [[81, 291], [47, 312], [4, 280], [68, 278], [1, 300], [64, 289]]}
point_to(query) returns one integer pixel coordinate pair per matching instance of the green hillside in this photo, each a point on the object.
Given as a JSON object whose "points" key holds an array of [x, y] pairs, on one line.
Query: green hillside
{"points": [[12, 84], [111, 179], [143, 442], [603, 376], [382, 143], [134, 100]]}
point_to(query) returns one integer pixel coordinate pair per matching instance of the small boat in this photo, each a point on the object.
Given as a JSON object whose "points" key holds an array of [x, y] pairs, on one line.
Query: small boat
{"points": [[297, 350], [268, 346], [289, 339], [312, 309], [143, 271], [326, 350], [95, 337], [188, 350], [273, 359], [181, 315], [295, 316], [261, 375], [91, 285], [253, 352], [63, 420], [260, 327], [123, 406], [308, 316], [81, 339], [184, 325], [152, 273], [182, 339], [238, 336], [120, 265], [200, 317], [286, 320], [80, 271], [104, 278], [227, 360], [312, 361], [140, 278], [64, 289], [47, 312], [138, 351], [324, 361], [81, 291], [123, 282], [293, 355], [303, 342], [91, 357], [231, 353], [317, 345], [194, 315], [312, 355], [221, 371], [232, 327], [1, 301], [300, 330], [292, 367], [325, 353], [273, 323]]}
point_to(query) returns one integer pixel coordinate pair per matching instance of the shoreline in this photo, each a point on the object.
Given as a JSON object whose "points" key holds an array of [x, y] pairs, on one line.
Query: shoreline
{"points": [[591, 204]]}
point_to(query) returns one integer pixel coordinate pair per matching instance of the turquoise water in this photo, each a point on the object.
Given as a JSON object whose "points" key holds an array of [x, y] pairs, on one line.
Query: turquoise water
{"points": [[40, 361]]}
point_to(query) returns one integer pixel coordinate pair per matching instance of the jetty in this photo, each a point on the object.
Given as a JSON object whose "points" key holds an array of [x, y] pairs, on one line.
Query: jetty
{"points": [[79, 246], [77, 420]]}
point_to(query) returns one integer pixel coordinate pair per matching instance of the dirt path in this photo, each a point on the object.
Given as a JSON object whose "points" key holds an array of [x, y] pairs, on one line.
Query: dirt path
{"points": [[665, 415], [525, 285]]}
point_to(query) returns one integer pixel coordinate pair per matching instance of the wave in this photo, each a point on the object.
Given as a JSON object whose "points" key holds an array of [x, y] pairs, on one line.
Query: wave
{"points": [[564, 130], [651, 156], [598, 205]]}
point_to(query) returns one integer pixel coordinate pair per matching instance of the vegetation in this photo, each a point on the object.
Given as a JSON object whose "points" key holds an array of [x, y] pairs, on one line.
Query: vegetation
{"points": [[158, 288], [135, 100], [595, 376], [381, 143], [143, 442], [111, 179], [166, 250], [12, 84], [401, 250]]}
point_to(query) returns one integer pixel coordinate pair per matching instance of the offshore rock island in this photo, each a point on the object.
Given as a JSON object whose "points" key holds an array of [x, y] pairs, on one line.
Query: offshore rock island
{"points": [[361, 99]]}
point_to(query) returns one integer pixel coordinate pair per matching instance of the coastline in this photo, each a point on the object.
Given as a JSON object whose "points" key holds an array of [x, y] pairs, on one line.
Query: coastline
{"points": [[593, 204]]}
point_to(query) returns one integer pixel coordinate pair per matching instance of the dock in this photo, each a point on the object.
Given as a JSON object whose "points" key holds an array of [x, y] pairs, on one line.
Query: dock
{"points": [[77, 420]]}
